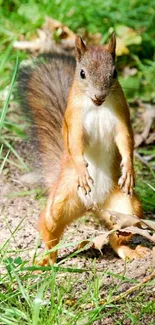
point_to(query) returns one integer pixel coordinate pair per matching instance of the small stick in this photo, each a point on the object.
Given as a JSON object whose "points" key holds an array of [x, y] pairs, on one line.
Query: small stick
{"points": [[130, 290], [137, 155], [143, 160]]}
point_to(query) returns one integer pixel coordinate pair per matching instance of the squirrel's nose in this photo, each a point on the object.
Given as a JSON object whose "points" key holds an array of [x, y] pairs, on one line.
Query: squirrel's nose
{"points": [[100, 98]]}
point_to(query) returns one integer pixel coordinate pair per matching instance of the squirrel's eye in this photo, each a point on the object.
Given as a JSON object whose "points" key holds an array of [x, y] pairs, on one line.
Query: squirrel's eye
{"points": [[115, 74], [82, 74]]}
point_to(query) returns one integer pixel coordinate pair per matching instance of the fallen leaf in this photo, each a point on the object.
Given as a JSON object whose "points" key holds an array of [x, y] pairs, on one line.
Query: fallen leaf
{"points": [[54, 25], [136, 230], [121, 48], [100, 241], [85, 244], [97, 242], [126, 36], [121, 220], [149, 223]]}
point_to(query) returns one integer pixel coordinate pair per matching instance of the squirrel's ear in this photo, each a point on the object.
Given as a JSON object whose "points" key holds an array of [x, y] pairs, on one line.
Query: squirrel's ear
{"points": [[80, 47], [112, 44]]}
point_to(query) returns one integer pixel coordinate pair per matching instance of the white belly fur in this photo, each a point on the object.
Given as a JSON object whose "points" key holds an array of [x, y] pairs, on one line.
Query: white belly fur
{"points": [[99, 125]]}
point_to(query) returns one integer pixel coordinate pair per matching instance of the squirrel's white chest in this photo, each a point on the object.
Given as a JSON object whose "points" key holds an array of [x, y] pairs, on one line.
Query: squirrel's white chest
{"points": [[99, 123], [99, 128]]}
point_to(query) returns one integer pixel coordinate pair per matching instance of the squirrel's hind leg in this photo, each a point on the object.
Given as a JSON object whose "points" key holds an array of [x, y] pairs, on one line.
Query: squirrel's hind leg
{"points": [[63, 206], [122, 203]]}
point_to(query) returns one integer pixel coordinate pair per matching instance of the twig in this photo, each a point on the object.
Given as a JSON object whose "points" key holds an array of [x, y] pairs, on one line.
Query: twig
{"points": [[143, 160], [130, 290], [137, 155]]}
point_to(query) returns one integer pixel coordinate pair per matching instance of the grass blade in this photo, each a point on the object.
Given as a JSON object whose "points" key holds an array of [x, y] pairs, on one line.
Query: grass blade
{"points": [[4, 110]]}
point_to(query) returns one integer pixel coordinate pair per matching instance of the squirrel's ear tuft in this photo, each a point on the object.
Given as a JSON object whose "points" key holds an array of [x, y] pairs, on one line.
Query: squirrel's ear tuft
{"points": [[80, 47], [112, 45]]}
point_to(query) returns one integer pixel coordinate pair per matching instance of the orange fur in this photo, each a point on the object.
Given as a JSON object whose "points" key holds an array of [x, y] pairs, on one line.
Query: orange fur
{"points": [[72, 127], [64, 205], [75, 156]]}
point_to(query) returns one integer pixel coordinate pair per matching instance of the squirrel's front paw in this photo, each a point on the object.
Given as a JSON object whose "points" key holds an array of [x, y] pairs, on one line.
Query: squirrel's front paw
{"points": [[84, 180], [126, 181]]}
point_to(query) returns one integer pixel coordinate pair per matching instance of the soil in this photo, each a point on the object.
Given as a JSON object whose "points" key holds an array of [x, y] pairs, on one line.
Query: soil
{"points": [[23, 211]]}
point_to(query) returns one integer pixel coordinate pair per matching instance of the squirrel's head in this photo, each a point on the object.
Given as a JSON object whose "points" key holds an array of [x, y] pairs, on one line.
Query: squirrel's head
{"points": [[96, 72]]}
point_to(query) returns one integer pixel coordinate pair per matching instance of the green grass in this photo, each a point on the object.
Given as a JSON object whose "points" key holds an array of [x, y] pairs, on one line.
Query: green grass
{"points": [[145, 180], [146, 192], [5, 141], [60, 295]]}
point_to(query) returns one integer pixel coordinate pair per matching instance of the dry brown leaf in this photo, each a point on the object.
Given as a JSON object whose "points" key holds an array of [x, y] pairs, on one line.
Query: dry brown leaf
{"points": [[135, 230], [149, 223], [121, 220], [54, 25], [97, 242], [100, 241], [84, 244]]}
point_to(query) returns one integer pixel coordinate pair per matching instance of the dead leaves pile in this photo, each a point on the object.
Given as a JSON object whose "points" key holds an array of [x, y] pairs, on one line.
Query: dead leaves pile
{"points": [[53, 34], [51, 31], [123, 224]]}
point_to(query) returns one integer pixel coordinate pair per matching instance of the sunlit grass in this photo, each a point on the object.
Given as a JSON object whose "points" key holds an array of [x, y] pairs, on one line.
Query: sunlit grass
{"points": [[60, 295]]}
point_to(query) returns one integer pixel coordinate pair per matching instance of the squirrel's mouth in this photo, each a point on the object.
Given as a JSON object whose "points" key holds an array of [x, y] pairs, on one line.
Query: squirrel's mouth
{"points": [[98, 102]]}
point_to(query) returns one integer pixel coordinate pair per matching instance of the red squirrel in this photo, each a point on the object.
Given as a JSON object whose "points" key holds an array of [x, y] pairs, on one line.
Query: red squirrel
{"points": [[83, 126]]}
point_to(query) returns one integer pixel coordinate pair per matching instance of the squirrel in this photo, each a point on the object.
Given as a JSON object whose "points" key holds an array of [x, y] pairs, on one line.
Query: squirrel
{"points": [[83, 127]]}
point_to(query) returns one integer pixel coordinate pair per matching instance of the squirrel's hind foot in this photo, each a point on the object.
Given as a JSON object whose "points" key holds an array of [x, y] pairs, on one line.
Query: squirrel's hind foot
{"points": [[126, 252]]}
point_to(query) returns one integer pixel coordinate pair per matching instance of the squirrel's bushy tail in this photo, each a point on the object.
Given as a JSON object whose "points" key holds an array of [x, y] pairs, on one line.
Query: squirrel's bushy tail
{"points": [[43, 91]]}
